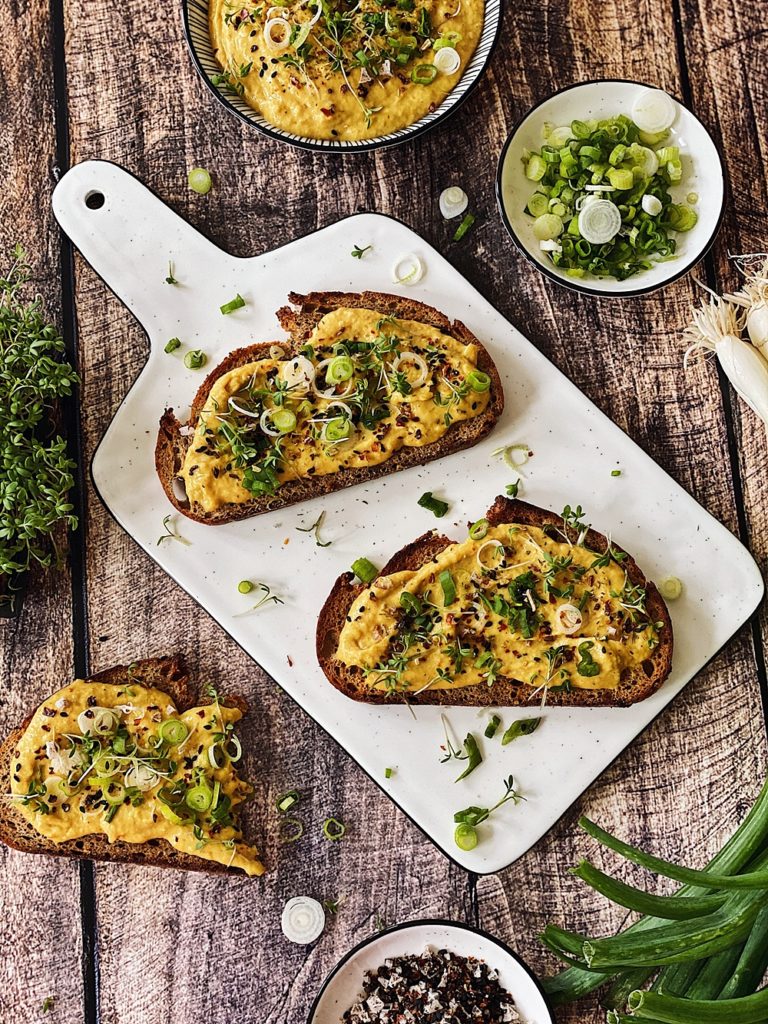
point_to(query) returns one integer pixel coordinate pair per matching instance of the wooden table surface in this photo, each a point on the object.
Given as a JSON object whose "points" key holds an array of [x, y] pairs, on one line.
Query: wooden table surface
{"points": [[89, 78]]}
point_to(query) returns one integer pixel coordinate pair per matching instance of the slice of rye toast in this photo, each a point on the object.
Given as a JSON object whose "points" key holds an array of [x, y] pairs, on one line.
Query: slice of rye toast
{"points": [[166, 674], [172, 442], [640, 682]]}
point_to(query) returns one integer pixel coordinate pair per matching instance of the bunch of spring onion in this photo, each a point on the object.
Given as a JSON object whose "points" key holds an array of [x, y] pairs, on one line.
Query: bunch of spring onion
{"points": [[718, 326], [704, 949]]}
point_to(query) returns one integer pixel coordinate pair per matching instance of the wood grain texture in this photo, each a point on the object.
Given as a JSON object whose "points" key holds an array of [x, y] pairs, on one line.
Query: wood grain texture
{"points": [[40, 922], [175, 947]]}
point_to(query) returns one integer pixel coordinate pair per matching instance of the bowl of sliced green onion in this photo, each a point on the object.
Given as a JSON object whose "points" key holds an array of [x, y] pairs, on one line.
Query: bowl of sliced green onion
{"points": [[611, 187]]}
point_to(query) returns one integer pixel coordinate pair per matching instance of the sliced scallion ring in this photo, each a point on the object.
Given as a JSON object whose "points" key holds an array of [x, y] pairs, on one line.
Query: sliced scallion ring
{"points": [[424, 74], [302, 920], [671, 588], [408, 269], [298, 373], [266, 424], [98, 721], [499, 554], [334, 829], [199, 798], [322, 370], [569, 619], [340, 368], [337, 429], [174, 731], [277, 34], [478, 530], [287, 801], [453, 202], [447, 60], [234, 404], [418, 361], [465, 837], [478, 381], [284, 420], [653, 111], [599, 221], [113, 793], [140, 776]]}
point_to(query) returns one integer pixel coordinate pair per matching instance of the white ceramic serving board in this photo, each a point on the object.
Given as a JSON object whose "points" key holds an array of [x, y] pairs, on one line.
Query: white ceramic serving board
{"points": [[129, 242]]}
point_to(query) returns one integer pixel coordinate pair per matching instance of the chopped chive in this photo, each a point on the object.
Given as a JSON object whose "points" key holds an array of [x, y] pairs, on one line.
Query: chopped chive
{"points": [[172, 345], [615, 472], [388, 773], [492, 727], [287, 801], [364, 570]]}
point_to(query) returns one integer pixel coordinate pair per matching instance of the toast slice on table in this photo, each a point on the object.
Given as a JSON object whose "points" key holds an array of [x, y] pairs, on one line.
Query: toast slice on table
{"points": [[367, 384], [118, 767], [531, 607]]}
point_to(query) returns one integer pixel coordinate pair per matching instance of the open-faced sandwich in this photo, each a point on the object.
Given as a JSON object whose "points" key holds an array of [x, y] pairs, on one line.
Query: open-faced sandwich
{"points": [[124, 766], [531, 606], [340, 70], [367, 384]]}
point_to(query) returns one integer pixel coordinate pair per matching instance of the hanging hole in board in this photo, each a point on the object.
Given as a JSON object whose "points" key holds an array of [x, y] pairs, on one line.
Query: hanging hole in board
{"points": [[94, 200]]}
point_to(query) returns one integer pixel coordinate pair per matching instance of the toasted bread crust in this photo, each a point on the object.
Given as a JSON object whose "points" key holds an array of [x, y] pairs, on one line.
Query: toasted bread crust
{"points": [[166, 674], [505, 692], [171, 446]]}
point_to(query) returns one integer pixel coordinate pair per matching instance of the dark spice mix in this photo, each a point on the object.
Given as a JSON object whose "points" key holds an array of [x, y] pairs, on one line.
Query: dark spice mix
{"points": [[438, 987]]}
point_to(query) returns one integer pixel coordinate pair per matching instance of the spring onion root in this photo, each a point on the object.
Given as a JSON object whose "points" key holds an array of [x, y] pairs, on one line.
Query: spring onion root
{"points": [[716, 327]]}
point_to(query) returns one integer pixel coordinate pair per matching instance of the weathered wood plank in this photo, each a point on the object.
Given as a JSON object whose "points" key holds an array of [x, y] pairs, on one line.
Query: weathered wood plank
{"points": [[40, 923], [624, 355], [227, 932]]}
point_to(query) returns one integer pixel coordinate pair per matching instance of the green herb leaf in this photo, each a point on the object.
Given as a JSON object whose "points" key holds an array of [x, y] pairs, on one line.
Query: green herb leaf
{"points": [[523, 727], [358, 253]]}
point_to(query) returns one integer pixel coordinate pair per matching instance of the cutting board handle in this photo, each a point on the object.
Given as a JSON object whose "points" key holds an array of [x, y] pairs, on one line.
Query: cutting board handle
{"points": [[130, 237]]}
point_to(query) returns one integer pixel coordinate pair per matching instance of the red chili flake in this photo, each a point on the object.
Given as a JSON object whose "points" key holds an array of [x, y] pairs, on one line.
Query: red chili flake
{"points": [[328, 111]]}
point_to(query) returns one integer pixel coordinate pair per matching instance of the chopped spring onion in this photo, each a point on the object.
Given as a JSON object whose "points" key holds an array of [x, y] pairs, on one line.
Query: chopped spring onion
{"points": [[337, 429], [548, 226], [303, 918], [98, 721], [464, 227], [245, 586], [654, 111], [418, 361], [479, 529], [298, 374], [615, 472], [652, 205], [448, 586], [291, 830], [237, 303], [509, 452], [411, 603], [424, 74], [334, 829], [339, 369], [408, 269], [364, 570], [478, 381], [433, 504], [670, 588], [199, 798], [447, 60], [287, 801], [499, 554], [174, 731], [465, 837], [284, 420], [172, 345], [388, 773], [453, 202], [568, 619], [265, 422], [195, 359], [492, 728], [199, 180], [599, 221], [277, 34]]}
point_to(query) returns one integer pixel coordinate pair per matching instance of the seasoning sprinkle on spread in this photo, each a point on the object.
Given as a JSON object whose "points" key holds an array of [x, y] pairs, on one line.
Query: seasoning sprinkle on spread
{"points": [[435, 988]]}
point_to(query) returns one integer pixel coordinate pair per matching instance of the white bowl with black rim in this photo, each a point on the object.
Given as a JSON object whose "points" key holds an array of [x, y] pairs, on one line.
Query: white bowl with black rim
{"points": [[703, 174], [196, 30], [344, 985]]}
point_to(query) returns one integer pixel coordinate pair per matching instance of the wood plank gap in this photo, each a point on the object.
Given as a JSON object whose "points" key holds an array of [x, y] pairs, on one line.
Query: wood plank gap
{"points": [[710, 275], [77, 560], [474, 904]]}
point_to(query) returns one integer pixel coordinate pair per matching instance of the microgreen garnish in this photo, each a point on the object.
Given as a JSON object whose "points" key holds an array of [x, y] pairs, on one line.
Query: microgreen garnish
{"points": [[36, 470], [48, 1004], [513, 489], [170, 279], [315, 529], [358, 253], [469, 752], [171, 533], [267, 597], [332, 905], [474, 816]]}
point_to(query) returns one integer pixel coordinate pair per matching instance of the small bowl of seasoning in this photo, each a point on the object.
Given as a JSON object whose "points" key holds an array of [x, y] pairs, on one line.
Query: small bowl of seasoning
{"points": [[611, 187], [428, 970]]}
